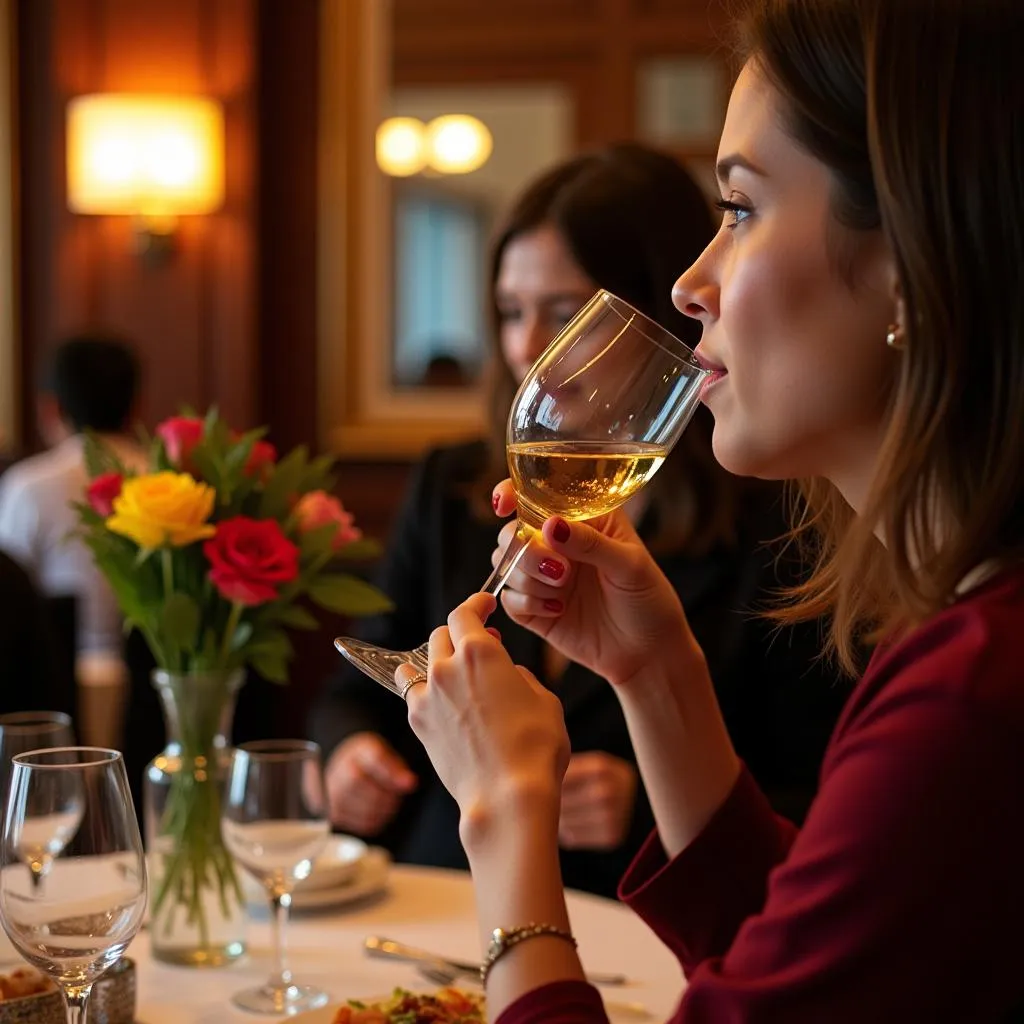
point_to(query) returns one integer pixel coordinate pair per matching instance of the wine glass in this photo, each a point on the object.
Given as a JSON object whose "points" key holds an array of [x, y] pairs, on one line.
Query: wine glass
{"points": [[590, 424], [74, 799], [275, 833], [21, 731]]}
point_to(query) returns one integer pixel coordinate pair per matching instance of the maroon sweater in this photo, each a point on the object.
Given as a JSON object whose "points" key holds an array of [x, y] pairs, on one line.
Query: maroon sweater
{"points": [[902, 898]]}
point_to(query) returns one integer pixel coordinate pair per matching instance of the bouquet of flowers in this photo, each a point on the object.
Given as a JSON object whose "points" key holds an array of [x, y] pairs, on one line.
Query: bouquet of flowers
{"points": [[214, 555]]}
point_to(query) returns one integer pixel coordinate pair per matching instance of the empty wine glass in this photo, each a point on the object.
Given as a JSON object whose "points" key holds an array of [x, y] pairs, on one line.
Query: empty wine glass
{"points": [[275, 833], [591, 423], [21, 731], [75, 800]]}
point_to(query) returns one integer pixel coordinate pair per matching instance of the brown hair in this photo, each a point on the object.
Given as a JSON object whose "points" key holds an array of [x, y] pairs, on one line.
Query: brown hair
{"points": [[916, 108], [633, 220]]}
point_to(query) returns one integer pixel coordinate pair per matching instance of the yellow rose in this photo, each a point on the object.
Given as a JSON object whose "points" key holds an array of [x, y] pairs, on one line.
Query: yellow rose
{"points": [[163, 508]]}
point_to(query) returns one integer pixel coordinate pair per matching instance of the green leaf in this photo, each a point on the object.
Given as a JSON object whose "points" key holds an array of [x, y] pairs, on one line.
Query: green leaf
{"points": [[273, 641], [271, 667], [347, 595], [296, 617], [179, 622], [99, 458], [360, 550], [317, 542], [283, 484], [209, 469]]}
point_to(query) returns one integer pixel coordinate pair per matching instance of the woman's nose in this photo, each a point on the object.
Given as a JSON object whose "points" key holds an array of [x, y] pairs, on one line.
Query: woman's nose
{"points": [[695, 293]]}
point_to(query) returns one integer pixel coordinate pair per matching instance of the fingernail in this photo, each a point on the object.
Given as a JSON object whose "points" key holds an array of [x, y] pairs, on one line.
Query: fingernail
{"points": [[560, 531], [552, 568], [494, 632], [495, 501], [552, 604]]}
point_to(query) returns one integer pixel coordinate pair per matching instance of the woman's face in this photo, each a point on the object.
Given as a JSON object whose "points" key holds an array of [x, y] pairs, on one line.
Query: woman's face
{"points": [[805, 370], [539, 289]]}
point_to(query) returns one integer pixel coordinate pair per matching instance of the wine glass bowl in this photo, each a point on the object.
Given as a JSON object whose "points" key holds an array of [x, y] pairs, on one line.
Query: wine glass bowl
{"points": [[590, 425], [71, 807], [274, 831]]}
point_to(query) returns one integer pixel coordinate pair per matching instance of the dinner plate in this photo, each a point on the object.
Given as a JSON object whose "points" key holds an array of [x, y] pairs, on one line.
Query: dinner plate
{"points": [[336, 865]]}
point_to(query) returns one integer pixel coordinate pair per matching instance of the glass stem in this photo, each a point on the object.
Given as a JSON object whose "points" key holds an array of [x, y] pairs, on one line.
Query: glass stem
{"points": [[280, 904], [76, 1002], [509, 560]]}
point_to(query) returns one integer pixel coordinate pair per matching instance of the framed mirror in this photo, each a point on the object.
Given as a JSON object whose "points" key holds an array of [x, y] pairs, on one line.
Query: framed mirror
{"points": [[404, 271]]}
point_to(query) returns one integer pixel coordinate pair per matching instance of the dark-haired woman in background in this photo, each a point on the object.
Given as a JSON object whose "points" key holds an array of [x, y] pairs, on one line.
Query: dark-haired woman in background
{"points": [[626, 219]]}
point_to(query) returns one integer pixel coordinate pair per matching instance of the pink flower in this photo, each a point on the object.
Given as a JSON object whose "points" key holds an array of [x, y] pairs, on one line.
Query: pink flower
{"points": [[261, 460], [317, 509], [250, 558], [102, 491], [180, 434]]}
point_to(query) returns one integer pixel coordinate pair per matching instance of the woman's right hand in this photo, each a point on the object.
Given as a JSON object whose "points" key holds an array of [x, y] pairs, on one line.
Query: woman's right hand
{"points": [[594, 592], [366, 782]]}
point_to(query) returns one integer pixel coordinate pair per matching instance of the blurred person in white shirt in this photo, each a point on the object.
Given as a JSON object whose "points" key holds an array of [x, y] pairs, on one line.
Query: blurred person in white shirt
{"points": [[92, 385]]}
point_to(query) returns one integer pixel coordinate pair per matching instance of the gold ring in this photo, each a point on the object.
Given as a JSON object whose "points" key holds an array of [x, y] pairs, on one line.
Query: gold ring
{"points": [[421, 678]]}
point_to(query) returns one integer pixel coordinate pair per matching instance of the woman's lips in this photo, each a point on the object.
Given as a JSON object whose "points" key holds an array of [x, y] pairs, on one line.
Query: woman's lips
{"points": [[710, 381]]}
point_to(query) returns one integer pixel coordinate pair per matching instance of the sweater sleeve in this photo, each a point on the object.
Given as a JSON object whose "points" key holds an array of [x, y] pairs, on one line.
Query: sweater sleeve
{"points": [[901, 897]]}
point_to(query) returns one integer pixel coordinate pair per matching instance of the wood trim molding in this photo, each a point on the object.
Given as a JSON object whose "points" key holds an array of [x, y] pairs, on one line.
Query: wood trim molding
{"points": [[10, 368]]}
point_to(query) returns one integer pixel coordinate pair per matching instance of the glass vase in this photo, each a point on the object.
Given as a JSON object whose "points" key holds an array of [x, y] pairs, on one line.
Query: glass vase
{"points": [[196, 907]]}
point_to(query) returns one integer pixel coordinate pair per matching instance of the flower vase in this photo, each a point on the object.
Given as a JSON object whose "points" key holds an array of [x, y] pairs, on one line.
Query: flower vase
{"points": [[197, 910]]}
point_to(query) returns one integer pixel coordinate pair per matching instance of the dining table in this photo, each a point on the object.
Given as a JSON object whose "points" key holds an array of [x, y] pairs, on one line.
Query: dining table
{"points": [[432, 908]]}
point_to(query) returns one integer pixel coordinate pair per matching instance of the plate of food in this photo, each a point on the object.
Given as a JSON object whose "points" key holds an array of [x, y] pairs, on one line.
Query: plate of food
{"points": [[443, 1006]]}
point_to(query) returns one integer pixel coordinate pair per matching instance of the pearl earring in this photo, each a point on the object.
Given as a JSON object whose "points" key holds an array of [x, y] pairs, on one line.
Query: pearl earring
{"points": [[894, 339]]}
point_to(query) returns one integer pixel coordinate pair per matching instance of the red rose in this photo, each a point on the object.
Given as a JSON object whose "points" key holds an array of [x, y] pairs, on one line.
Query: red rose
{"points": [[180, 434], [261, 460], [250, 558], [102, 491]]}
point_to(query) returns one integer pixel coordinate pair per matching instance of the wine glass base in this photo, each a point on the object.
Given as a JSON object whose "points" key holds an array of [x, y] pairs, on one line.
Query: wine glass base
{"points": [[379, 663], [280, 1002]]}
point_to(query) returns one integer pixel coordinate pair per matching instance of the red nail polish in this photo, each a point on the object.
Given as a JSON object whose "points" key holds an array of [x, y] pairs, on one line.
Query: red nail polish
{"points": [[494, 632], [554, 570], [495, 501], [552, 604], [560, 531]]}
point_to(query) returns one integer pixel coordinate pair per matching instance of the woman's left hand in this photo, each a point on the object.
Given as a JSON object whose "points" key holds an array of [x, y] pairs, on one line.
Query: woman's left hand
{"points": [[495, 735]]}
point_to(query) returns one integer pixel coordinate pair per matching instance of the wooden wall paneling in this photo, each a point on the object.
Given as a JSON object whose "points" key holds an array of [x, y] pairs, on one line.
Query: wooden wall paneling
{"points": [[193, 317]]}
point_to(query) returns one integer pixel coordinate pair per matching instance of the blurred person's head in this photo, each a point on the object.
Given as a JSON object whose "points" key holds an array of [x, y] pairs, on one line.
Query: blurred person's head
{"points": [[90, 384], [627, 219]]}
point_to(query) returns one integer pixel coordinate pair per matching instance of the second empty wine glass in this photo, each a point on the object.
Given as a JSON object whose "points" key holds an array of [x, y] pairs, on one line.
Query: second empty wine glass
{"points": [[78, 924], [591, 423], [275, 833]]}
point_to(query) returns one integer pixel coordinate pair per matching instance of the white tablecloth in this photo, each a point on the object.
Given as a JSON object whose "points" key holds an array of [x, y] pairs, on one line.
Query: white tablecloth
{"points": [[424, 907]]}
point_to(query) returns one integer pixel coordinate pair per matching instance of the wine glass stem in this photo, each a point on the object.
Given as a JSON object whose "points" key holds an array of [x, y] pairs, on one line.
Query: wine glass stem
{"points": [[76, 1002], [509, 559], [280, 904]]}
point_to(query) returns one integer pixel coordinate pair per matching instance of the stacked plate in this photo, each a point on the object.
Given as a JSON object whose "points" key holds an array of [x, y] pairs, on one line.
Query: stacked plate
{"points": [[346, 871]]}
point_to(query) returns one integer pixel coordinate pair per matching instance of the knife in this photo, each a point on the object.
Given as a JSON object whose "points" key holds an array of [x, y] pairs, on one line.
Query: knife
{"points": [[375, 945]]}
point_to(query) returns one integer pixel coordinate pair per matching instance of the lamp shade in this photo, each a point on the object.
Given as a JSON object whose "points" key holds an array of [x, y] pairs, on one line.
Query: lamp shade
{"points": [[146, 155], [458, 143], [400, 146]]}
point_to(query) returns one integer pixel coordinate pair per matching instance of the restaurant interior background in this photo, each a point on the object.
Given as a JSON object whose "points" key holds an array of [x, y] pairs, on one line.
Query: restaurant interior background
{"points": [[291, 304]]}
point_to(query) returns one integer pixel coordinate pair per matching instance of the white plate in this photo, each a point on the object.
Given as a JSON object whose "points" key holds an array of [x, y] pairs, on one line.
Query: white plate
{"points": [[336, 865], [370, 878]]}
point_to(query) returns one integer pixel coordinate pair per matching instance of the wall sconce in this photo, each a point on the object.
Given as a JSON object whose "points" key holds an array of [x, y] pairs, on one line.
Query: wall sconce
{"points": [[154, 158], [452, 144]]}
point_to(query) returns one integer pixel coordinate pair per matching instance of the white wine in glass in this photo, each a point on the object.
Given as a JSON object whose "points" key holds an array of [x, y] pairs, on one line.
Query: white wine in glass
{"points": [[591, 423], [75, 803]]}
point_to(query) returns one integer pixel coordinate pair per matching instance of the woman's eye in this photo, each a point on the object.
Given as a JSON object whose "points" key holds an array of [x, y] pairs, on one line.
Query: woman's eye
{"points": [[508, 316], [735, 213]]}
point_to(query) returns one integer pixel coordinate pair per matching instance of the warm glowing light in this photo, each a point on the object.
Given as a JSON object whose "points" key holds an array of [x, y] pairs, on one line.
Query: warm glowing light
{"points": [[155, 156], [401, 149], [458, 144]]}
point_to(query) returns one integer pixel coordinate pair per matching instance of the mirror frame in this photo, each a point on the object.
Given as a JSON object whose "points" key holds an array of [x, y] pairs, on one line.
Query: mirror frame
{"points": [[361, 414]]}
